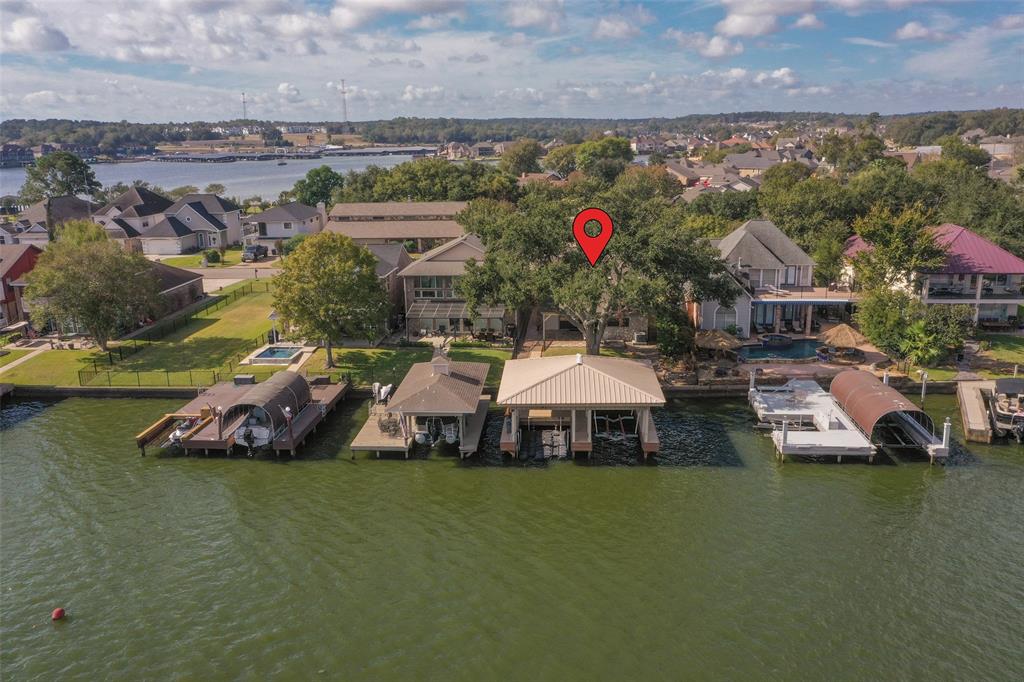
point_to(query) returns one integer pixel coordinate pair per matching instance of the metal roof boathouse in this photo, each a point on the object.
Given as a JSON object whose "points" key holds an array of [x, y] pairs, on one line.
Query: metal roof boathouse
{"points": [[568, 399], [856, 417]]}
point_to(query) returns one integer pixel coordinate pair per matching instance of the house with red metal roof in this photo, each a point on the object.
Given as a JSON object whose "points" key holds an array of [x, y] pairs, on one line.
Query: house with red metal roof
{"points": [[976, 272]]}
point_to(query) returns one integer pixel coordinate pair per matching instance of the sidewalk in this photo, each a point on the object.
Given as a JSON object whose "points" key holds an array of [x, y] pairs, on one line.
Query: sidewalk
{"points": [[22, 359]]}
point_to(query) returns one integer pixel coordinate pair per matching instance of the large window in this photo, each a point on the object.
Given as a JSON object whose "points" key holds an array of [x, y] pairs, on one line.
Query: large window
{"points": [[434, 287], [791, 275]]}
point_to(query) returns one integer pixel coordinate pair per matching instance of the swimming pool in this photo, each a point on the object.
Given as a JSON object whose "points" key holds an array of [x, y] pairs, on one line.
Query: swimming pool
{"points": [[275, 355], [800, 350]]}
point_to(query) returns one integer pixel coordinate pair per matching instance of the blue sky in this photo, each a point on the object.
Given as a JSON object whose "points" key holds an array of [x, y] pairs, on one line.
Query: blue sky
{"points": [[174, 60]]}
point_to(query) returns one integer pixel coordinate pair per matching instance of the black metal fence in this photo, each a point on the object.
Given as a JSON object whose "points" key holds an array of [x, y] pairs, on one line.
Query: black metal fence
{"points": [[212, 304], [208, 377]]}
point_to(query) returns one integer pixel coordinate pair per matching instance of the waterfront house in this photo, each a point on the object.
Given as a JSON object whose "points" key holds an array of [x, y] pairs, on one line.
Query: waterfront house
{"points": [[420, 225], [437, 401], [132, 213], [178, 287], [976, 272], [776, 291], [558, 404], [16, 261], [391, 259], [432, 304], [281, 223]]}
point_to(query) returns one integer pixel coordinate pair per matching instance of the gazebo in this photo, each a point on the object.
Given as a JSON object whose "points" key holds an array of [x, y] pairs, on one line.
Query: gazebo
{"points": [[716, 340], [843, 336]]}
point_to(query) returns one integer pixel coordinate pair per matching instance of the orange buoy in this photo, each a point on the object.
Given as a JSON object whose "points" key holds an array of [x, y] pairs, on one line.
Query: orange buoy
{"points": [[57, 614]]}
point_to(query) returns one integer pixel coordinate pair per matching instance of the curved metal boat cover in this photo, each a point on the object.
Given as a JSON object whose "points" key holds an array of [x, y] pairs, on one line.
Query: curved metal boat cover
{"points": [[866, 399], [284, 389]]}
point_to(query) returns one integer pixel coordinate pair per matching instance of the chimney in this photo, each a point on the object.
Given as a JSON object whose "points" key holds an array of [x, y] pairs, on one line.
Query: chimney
{"points": [[321, 209], [440, 364], [579, 358]]}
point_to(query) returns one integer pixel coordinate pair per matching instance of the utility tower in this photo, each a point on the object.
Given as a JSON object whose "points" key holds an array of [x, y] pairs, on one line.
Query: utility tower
{"points": [[243, 107], [344, 105]]}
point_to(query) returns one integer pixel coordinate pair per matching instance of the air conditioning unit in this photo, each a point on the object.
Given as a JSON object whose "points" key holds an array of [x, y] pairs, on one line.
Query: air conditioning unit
{"points": [[640, 337]]}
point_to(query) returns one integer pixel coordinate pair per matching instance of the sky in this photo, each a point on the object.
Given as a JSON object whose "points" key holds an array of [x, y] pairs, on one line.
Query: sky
{"points": [[184, 60]]}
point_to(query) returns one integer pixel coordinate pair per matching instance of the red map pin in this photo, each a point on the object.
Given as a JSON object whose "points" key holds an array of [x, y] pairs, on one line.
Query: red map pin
{"points": [[594, 246]]}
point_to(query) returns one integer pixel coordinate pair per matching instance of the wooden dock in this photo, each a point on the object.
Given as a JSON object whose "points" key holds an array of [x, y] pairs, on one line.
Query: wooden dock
{"points": [[373, 438], [974, 412]]}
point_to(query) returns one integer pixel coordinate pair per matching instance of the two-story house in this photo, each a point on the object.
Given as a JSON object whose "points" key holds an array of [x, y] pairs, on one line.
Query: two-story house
{"points": [[16, 261], [776, 291], [281, 223], [193, 222], [391, 260], [977, 273], [432, 304], [31, 225]]}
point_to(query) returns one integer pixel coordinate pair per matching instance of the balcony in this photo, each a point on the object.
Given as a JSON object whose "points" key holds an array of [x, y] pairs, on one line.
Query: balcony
{"points": [[944, 293], [798, 294]]}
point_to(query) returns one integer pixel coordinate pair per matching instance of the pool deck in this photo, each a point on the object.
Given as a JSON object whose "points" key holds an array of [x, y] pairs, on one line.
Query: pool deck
{"points": [[802, 404]]}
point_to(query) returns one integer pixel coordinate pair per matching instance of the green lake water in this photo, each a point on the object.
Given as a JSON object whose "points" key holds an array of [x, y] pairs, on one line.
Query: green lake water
{"points": [[716, 563]]}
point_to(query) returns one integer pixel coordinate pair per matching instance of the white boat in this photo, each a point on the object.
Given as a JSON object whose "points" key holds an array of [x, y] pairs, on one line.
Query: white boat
{"points": [[1007, 409]]}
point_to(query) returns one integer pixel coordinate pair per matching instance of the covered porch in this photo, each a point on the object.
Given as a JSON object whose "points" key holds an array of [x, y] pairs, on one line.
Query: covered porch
{"points": [[452, 318], [799, 310]]}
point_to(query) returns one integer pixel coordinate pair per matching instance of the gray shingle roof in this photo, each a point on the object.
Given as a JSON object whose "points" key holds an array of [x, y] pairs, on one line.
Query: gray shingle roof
{"points": [[168, 227], [138, 202], [211, 203], [760, 244], [290, 211]]}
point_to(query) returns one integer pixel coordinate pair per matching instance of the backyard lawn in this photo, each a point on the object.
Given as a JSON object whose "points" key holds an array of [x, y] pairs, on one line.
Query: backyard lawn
{"points": [[389, 365], [1004, 351], [53, 368], [233, 256], [10, 356], [573, 350]]}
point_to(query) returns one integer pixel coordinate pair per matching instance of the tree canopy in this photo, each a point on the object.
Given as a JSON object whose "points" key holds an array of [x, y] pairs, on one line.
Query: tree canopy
{"points": [[93, 282], [532, 260], [901, 245], [521, 157], [58, 174], [318, 186], [328, 289]]}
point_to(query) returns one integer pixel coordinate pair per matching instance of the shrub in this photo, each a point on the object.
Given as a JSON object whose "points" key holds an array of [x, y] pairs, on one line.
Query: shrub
{"points": [[212, 255], [469, 344]]}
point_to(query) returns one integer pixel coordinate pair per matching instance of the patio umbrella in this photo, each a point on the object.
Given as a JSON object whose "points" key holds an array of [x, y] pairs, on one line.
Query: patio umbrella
{"points": [[716, 339], [843, 336]]}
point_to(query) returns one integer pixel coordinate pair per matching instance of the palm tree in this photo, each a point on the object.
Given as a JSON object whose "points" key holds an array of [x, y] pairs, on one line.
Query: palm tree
{"points": [[919, 346]]}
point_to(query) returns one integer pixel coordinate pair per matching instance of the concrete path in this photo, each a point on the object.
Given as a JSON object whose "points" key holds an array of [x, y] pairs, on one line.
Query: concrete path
{"points": [[22, 359]]}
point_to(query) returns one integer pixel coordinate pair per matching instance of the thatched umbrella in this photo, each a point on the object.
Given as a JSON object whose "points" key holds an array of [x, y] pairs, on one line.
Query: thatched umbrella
{"points": [[716, 339], [843, 336]]}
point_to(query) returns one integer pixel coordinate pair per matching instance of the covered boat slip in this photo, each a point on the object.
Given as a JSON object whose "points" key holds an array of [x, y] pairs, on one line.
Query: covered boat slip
{"points": [[858, 416], [581, 396], [286, 404], [437, 401]]}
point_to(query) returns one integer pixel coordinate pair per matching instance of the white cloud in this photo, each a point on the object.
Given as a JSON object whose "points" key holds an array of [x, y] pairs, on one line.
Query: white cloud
{"points": [[416, 64], [30, 34], [350, 14], [547, 14], [915, 30], [808, 21], [413, 93], [289, 92], [622, 26], [867, 42], [735, 25], [477, 58], [715, 47], [433, 22], [1010, 22]]}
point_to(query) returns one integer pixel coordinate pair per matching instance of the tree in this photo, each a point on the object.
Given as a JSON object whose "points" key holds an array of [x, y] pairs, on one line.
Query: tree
{"points": [[318, 186], [955, 149], [521, 157], [604, 158], [75, 232], [888, 185], [94, 283], [292, 243], [58, 174], [900, 246], [675, 333], [728, 205], [656, 159], [919, 346], [179, 192], [950, 325], [800, 208], [850, 153], [562, 160], [328, 289], [883, 316], [215, 188], [649, 265]]}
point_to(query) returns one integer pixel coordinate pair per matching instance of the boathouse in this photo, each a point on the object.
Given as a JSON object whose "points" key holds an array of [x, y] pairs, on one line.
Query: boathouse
{"points": [[437, 401], [565, 400], [278, 413]]}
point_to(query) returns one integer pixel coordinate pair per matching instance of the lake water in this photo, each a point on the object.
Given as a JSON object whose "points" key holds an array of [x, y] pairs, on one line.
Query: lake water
{"points": [[717, 563], [242, 179]]}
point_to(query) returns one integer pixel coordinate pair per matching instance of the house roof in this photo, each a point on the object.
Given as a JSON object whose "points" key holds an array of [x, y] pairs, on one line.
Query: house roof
{"points": [[389, 257], [431, 263], [398, 209], [291, 211], [61, 209], [440, 386], [201, 208], [128, 230], [397, 229], [760, 244], [170, 276], [10, 254], [137, 202], [967, 252], [168, 227], [211, 203], [579, 380]]}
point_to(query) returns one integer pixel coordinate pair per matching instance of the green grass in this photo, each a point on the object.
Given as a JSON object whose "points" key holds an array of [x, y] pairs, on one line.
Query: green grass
{"points": [[233, 256], [1005, 351], [12, 355], [573, 350], [209, 341], [54, 368], [389, 365]]}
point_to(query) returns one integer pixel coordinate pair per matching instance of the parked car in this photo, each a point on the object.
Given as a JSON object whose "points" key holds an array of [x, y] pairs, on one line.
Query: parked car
{"points": [[253, 253]]}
